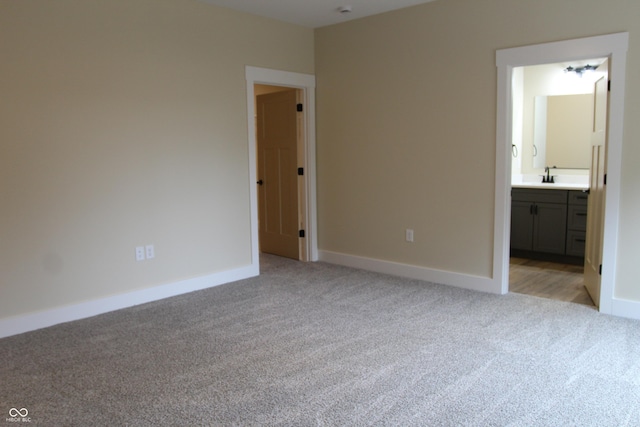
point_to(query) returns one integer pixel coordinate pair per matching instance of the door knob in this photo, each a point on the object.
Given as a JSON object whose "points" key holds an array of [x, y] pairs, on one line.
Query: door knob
{"points": [[260, 182]]}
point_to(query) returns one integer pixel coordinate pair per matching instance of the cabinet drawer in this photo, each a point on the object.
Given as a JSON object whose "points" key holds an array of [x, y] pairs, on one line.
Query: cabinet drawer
{"points": [[576, 242], [543, 196], [577, 218], [579, 198]]}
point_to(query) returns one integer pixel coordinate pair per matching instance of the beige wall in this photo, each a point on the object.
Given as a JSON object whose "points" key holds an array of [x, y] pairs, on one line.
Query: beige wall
{"points": [[124, 123], [418, 151]]}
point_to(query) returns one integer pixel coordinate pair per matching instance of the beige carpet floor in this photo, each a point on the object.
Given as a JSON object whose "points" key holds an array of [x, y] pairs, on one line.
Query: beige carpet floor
{"points": [[320, 345]]}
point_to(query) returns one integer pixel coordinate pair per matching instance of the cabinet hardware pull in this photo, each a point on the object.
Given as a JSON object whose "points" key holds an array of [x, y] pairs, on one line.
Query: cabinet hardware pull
{"points": [[580, 240], [581, 214]]}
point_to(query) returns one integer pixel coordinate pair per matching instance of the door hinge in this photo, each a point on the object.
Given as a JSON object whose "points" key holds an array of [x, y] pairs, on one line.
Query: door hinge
{"points": [[605, 179], [600, 270], [301, 233], [300, 171], [299, 107], [608, 85]]}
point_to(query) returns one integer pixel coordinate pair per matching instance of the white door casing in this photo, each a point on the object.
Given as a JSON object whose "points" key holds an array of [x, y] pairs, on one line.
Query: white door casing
{"points": [[306, 83]]}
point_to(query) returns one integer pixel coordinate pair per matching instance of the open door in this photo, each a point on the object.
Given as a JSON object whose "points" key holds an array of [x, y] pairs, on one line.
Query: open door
{"points": [[597, 177], [277, 140]]}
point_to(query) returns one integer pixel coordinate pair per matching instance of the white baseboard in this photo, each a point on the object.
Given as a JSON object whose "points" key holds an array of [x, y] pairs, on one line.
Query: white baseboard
{"points": [[460, 280], [620, 307], [30, 322], [625, 308]]}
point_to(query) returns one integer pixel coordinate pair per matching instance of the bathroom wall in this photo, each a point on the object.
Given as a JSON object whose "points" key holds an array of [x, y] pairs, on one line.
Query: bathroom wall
{"points": [[546, 80]]}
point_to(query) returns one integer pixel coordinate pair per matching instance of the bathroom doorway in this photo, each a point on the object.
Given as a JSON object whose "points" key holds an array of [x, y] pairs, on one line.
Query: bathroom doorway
{"points": [[553, 127], [613, 47]]}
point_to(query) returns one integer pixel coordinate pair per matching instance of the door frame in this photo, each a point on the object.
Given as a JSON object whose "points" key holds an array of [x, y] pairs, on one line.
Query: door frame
{"points": [[307, 84], [613, 46]]}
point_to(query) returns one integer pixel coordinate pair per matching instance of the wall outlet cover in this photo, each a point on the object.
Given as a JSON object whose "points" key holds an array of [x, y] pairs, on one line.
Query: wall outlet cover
{"points": [[150, 251], [409, 235]]}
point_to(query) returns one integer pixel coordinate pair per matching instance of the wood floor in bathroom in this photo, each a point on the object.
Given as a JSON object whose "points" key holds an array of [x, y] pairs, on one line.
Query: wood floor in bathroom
{"points": [[551, 280]]}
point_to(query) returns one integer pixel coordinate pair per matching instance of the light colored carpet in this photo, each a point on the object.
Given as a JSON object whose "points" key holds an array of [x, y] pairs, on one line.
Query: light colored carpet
{"points": [[316, 344]]}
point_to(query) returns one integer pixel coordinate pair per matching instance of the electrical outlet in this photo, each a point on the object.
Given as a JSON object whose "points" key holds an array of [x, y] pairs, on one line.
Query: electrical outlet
{"points": [[150, 251], [409, 235], [139, 253]]}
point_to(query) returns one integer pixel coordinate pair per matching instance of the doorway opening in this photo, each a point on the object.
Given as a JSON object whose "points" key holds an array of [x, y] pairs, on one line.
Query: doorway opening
{"points": [[613, 47], [303, 86], [281, 181], [553, 126]]}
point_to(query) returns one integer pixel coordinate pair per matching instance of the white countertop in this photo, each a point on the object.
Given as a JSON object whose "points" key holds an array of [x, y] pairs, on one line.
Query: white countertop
{"points": [[562, 182], [554, 186]]}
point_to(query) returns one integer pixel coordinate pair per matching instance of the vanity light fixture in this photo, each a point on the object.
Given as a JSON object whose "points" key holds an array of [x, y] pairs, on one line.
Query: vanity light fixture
{"points": [[580, 70]]}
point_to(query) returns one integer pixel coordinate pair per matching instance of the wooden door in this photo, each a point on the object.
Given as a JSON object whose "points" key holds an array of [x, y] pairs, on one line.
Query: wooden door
{"points": [[278, 173], [595, 209]]}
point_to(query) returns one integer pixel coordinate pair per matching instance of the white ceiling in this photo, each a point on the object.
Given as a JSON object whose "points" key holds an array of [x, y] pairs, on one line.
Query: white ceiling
{"points": [[314, 13]]}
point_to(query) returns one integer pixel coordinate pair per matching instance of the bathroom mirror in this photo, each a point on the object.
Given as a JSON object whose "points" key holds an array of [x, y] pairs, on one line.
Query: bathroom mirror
{"points": [[562, 131]]}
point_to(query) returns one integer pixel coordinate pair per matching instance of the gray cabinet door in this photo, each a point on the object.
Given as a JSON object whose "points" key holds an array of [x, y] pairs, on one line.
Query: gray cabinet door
{"points": [[521, 225], [539, 220], [550, 228]]}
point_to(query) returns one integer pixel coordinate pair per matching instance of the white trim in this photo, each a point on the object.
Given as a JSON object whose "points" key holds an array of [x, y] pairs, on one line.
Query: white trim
{"points": [[502, 216], [29, 322], [613, 46], [625, 308], [307, 83], [458, 280]]}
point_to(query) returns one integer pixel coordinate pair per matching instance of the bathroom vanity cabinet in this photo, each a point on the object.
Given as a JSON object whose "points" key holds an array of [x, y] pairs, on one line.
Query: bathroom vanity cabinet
{"points": [[549, 222]]}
